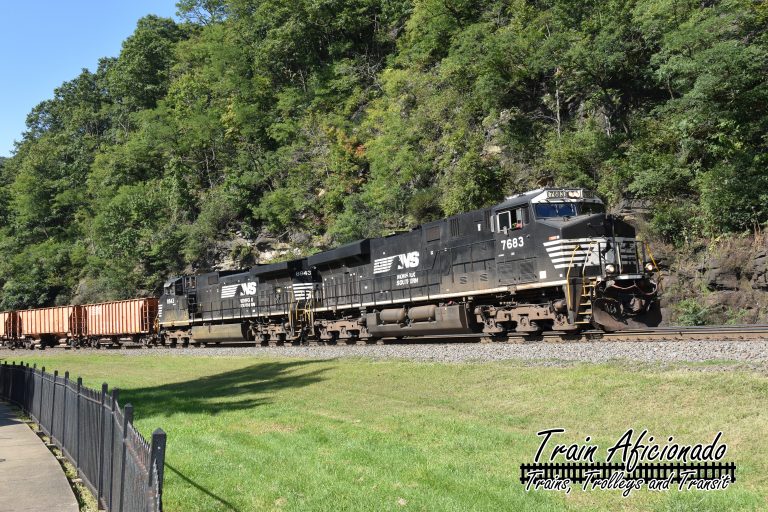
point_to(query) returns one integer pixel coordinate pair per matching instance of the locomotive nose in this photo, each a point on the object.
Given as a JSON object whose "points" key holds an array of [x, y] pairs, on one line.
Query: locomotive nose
{"points": [[586, 226], [597, 225]]}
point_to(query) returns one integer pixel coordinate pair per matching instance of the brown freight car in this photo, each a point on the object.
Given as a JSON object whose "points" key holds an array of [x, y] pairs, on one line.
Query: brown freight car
{"points": [[9, 327], [48, 326], [114, 322]]}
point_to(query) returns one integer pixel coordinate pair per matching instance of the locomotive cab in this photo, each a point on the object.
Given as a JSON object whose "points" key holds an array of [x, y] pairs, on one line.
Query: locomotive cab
{"points": [[561, 242], [173, 307], [606, 273]]}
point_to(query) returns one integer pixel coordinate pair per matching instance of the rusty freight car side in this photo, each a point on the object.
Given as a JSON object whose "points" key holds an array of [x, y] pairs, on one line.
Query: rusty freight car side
{"points": [[121, 320], [47, 326], [9, 326]]}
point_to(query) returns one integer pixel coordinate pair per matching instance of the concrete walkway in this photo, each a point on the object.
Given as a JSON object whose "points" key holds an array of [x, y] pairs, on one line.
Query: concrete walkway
{"points": [[31, 479]]}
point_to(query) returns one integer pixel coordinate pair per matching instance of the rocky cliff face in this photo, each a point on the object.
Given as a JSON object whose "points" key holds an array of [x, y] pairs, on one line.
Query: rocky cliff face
{"points": [[716, 281]]}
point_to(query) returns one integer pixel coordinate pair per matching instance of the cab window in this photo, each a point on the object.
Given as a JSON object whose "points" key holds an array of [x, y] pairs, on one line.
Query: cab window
{"points": [[553, 210], [503, 220], [511, 220]]}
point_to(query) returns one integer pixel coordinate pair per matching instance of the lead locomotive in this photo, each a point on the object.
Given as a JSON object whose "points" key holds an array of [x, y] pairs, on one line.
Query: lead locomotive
{"points": [[549, 259]]}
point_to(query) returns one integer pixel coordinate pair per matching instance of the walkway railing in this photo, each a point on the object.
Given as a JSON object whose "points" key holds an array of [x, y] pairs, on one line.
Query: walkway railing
{"points": [[114, 461]]}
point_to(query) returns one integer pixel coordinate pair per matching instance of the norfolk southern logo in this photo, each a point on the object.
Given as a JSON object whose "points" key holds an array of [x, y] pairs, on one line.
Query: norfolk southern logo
{"points": [[407, 260], [236, 290]]}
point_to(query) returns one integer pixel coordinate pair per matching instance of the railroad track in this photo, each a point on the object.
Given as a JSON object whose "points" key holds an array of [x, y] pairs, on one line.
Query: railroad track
{"points": [[674, 333]]}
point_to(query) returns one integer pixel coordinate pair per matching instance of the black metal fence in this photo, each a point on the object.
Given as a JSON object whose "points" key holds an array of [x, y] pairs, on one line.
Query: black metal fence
{"points": [[114, 461]]}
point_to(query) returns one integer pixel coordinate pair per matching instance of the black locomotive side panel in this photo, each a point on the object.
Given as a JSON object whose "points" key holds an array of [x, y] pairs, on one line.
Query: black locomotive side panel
{"points": [[342, 276], [224, 296], [438, 260], [240, 296], [397, 270], [467, 246], [281, 286]]}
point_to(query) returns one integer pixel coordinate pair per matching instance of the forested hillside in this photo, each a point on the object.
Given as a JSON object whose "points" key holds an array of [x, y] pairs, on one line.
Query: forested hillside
{"points": [[315, 122]]}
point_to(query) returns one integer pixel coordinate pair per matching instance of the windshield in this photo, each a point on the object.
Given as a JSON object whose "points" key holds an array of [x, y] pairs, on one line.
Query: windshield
{"points": [[550, 210]]}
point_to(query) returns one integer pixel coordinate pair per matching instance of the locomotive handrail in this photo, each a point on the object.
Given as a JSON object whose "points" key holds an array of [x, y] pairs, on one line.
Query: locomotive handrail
{"points": [[586, 257], [568, 277]]}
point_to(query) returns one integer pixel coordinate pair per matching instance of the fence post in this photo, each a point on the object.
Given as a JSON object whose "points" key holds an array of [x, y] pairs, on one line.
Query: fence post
{"points": [[40, 409], [157, 460], [53, 405], [77, 424], [100, 487], [115, 396], [10, 380], [27, 393], [127, 419], [64, 414]]}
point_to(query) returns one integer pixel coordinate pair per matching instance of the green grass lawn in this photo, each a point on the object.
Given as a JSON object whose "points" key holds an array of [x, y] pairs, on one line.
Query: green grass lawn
{"points": [[283, 434]]}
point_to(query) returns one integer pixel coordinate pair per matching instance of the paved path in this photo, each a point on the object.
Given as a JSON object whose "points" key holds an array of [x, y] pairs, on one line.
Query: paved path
{"points": [[31, 479]]}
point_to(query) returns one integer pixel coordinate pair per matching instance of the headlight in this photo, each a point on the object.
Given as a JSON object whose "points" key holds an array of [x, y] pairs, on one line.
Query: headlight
{"points": [[609, 268], [649, 267]]}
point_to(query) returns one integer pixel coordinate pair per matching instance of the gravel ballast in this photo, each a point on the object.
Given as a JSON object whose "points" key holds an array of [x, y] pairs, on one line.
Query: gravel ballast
{"points": [[535, 352]]}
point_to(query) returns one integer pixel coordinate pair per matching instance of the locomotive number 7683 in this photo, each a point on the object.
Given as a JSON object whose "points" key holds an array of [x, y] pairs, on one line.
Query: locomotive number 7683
{"points": [[512, 243]]}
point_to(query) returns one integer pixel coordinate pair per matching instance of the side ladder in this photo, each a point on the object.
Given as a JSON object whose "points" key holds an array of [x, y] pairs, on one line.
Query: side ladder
{"points": [[584, 313]]}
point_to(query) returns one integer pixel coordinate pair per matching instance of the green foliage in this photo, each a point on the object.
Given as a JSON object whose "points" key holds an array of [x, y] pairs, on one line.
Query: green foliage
{"points": [[140, 76], [350, 119], [691, 312], [676, 222]]}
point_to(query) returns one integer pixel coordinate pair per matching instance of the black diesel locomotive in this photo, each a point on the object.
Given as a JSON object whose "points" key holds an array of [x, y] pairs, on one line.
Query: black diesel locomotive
{"points": [[545, 260]]}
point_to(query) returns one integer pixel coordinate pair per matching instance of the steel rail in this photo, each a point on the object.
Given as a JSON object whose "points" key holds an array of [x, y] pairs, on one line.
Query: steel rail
{"points": [[671, 333]]}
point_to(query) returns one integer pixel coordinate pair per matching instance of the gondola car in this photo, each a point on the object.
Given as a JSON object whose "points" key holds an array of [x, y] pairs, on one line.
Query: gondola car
{"points": [[548, 259]]}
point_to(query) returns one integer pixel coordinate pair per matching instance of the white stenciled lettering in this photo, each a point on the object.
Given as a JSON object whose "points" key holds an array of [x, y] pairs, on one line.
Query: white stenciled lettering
{"points": [[512, 243], [406, 260], [409, 260], [235, 290]]}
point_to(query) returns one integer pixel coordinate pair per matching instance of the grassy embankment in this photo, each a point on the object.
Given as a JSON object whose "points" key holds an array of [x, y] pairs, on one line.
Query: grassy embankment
{"points": [[279, 434]]}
